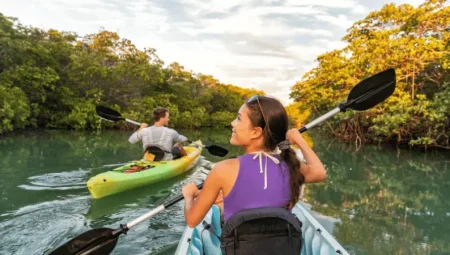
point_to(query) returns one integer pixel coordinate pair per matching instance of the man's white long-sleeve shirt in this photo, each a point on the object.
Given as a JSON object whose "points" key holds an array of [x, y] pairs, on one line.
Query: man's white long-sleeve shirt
{"points": [[161, 136]]}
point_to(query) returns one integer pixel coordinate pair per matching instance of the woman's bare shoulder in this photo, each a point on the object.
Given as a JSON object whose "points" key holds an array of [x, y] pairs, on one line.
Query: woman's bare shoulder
{"points": [[223, 167]]}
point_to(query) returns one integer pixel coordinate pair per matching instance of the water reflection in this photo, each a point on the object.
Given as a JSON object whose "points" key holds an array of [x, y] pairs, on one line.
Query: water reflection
{"points": [[390, 202], [383, 201]]}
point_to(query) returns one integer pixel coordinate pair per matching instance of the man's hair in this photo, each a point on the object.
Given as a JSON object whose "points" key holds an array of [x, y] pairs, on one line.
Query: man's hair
{"points": [[159, 112]]}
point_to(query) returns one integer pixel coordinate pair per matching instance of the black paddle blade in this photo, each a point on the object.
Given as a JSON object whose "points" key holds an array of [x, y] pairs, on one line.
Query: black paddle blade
{"points": [[372, 91], [94, 241], [108, 113], [217, 150]]}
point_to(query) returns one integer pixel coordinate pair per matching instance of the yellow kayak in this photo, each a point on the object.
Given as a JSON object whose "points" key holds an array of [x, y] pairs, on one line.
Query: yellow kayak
{"points": [[119, 179]]}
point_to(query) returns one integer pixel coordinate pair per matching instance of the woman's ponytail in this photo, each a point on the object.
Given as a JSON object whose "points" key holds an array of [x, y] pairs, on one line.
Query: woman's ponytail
{"points": [[296, 178]]}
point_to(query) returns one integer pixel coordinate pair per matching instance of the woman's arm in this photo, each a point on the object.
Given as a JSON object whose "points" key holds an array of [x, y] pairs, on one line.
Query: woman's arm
{"points": [[313, 170], [195, 210]]}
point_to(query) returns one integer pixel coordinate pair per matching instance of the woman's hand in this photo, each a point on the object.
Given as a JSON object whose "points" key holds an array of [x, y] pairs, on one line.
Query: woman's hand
{"points": [[190, 191], [195, 210], [313, 170], [293, 135]]}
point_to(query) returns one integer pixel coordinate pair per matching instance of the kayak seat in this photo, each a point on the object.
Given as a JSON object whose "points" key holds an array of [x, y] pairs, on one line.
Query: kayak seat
{"points": [[205, 237], [215, 221], [268, 230], [210, 233], [196, 244], [210, 241], [157, 151]]}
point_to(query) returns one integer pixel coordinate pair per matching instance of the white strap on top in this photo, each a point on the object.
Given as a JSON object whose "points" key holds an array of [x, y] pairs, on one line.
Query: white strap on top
{"points": [[259, 154]]}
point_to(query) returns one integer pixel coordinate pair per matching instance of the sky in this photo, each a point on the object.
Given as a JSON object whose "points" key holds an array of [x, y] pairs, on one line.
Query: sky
{"points": [[262, 44]]}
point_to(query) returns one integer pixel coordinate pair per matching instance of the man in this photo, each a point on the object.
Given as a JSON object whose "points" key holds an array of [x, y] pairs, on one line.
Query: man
{"points": [[160, 135]]}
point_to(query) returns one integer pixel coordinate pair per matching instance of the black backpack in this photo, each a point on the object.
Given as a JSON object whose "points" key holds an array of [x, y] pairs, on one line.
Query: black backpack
{"points": [[268, 230]]}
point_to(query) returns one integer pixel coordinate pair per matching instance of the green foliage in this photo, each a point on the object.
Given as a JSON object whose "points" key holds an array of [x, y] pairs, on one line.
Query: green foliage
{"points": [[54, 79], [82, 116], [412, 40], [223, 118], [14, 109], [141, 108]]}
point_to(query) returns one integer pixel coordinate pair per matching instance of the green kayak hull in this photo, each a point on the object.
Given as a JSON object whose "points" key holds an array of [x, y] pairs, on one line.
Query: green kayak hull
{"points": [[116, 180]]}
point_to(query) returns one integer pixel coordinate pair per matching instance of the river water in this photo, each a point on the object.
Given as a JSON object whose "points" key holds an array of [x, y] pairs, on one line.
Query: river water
{"points": [[376, 200]]}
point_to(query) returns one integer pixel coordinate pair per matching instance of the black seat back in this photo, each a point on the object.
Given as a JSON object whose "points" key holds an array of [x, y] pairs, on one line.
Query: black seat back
{"points": [[157, 151], [269, 230]]}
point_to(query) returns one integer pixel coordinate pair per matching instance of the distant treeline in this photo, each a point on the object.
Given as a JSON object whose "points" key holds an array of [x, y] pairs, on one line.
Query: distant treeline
{"points": [[54, 79]]}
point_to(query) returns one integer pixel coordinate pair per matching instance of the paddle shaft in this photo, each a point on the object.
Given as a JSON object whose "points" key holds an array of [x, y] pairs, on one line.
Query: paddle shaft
{"points": [[352, 102], [138, 124], [365, 95], [303, 129], [157, 210], [204, 146], [320, 119], [133, 122], [127, 120], [340, 108]]}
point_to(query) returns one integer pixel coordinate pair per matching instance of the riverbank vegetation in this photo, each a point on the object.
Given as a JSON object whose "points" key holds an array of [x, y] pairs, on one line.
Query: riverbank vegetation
{"points": [[414, 41], [53, 79]]}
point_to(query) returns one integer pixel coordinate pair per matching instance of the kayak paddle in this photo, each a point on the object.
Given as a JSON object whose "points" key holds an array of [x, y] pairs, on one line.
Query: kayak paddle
{"points": [[113, 115], [363, 96], [103, 240], [215, 150]]}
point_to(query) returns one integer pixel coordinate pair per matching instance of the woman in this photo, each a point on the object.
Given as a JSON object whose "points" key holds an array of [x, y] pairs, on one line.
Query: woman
{"points": [[259, 178]]}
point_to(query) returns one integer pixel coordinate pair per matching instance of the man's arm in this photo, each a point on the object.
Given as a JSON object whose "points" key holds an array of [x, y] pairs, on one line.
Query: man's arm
{"points": [[178, 138], [137, 136]]}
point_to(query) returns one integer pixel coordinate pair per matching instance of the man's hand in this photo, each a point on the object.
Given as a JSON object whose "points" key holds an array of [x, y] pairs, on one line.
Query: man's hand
{"points": [[143, 125]]}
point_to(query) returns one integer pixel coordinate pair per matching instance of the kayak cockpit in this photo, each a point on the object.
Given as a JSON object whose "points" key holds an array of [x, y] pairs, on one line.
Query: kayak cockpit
{"points": [[205, 237]]}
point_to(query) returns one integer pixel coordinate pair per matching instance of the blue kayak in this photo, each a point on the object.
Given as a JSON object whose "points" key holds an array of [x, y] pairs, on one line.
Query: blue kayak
{"points": [[199, 240]]}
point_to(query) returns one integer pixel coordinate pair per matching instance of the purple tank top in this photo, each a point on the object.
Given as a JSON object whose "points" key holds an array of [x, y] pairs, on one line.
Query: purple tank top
{"points": [[248, 191]]}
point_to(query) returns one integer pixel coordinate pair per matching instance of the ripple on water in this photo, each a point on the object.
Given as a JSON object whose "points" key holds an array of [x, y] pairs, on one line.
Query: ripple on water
{"points": [[113, 165], [160, 232], [39, 228], [58, 181], [157, 233]]}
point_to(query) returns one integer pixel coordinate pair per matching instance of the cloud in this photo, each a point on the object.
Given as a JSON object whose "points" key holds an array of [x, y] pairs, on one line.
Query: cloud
{"points": [[339, 21], [262, 44], [250, 21], [353, 5]]}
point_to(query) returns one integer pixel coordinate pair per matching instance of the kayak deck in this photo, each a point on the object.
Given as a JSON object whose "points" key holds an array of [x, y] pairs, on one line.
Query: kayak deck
{"points": [[116, 180], [199, 240]]}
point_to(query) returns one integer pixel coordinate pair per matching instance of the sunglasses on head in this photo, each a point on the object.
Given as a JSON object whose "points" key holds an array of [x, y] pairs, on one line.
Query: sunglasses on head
{"points": [[253, 98], [256, 98]]}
